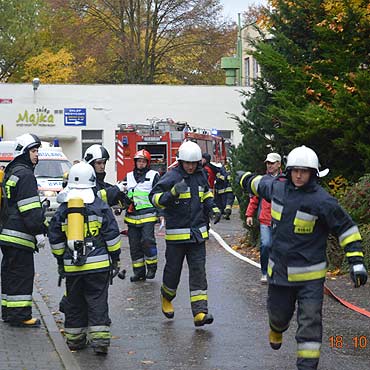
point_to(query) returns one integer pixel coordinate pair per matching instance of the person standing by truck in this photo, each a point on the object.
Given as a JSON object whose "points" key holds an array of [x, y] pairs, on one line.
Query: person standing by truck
{"points": [[141, 217], [22, 233]]}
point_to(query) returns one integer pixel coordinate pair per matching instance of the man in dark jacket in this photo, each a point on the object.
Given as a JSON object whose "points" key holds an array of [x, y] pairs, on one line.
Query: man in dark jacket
{"points": [[303, 215], [22, 233], [185, 197], [97, 157], [87, 267]]}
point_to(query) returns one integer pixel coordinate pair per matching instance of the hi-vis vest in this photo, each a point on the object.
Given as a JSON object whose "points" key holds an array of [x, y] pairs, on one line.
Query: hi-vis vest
{"points": [[139, 193]]}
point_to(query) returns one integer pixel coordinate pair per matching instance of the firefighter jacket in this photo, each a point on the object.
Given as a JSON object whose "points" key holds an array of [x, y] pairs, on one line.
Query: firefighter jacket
{"points": [[23, 216], [223, 186], [139, 186], [109, 193], [102, 239], [302, 219], [187, 214]]}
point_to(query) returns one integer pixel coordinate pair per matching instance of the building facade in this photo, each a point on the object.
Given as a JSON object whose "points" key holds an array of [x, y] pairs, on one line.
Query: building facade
{"points": [[82, 115]]}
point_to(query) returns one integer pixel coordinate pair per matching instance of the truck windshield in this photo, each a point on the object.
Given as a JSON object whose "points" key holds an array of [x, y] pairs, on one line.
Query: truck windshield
{"points": [[52, 168]]}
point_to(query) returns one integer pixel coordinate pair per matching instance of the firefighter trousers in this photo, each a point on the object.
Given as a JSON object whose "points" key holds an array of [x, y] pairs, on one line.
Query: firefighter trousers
{"points": [[143, 248], [281, 303], [86, 309], [196, 258], [17, 274]]}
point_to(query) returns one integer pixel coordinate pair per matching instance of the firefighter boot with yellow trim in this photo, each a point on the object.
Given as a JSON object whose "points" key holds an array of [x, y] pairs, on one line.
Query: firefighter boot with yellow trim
{"points": [[31, 323], [275, 339], [167, 308], [202, 318]]}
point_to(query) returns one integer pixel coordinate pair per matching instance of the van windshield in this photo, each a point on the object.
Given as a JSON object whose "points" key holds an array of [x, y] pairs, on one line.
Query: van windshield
{"points": [[52, 168]]}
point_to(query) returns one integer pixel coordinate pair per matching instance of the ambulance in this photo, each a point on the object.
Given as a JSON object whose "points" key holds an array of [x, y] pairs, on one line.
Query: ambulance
{"points": [[49, 171]]}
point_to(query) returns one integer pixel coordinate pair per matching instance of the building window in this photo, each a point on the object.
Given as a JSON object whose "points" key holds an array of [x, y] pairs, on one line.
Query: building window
{"points": [[226, 134], [247, 73], [256, 68], [90, 137]]}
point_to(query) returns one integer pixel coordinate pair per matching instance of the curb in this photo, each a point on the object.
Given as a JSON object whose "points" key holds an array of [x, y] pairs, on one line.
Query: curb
{"points": [[65, 355]]}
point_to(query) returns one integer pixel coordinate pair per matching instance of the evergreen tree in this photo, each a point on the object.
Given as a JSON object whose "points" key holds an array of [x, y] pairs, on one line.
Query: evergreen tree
{"points": [[314, 85]]}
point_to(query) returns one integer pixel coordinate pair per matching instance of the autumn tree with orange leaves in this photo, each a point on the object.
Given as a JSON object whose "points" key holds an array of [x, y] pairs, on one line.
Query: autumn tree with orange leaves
{"points": [[314, 87]]}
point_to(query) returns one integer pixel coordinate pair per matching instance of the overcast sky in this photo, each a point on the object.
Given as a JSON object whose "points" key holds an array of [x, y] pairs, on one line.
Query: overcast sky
{"points": [[233, 7]]}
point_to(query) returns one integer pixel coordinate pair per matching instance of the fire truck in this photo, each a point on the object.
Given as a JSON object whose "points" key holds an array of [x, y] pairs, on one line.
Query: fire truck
{"points": [[162, 139]]}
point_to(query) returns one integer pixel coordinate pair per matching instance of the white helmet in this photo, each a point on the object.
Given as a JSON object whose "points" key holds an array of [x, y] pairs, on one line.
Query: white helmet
{"points": [[26, 142], [81, 176], [305, 157], [95, 152], [189, 152]]}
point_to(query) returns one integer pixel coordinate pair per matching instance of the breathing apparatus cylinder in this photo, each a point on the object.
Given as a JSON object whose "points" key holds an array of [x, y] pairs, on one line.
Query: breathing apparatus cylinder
{"points": [[2, 174], [75, 231]]}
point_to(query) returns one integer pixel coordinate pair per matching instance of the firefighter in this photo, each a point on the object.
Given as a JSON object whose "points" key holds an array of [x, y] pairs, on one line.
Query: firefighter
{"points": [[303, 215], [97, 156], [85, 240], [186, 199], [224, 196], [141, 218], [22, 233], [210, 168]]}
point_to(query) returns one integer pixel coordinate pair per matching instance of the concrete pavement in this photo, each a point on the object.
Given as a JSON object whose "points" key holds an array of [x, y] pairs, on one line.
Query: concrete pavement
{"points": [[143, 339]]}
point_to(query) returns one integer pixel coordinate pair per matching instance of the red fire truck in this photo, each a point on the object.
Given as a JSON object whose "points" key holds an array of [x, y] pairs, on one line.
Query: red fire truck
{"points": [[162, 138]]}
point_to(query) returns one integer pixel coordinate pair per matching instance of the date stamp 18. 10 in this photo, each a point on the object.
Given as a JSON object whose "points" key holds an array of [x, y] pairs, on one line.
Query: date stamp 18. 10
{"points": [[360, 342]]}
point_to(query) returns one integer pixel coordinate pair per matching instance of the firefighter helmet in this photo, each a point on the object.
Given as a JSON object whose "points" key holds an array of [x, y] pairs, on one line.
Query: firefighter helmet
{"points": [[143, 154], [189, 152], [305, 157], [26, 142], [95, 152], [81, 176]]}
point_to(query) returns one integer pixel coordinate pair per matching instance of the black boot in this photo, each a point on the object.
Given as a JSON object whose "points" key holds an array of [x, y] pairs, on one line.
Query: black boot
{"points": [[151, 272], [101, 350], [137, 277]]}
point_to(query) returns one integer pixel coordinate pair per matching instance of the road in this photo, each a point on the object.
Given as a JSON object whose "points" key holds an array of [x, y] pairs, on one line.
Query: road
{"points": [[144, 339]]}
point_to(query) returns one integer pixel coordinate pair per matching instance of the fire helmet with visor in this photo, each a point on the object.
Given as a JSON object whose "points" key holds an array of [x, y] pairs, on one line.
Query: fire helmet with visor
{"points": [[95, 152], [189, 152]]}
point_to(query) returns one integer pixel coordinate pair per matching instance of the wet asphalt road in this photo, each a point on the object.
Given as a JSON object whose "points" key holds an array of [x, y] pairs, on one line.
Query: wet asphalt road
{"points": [[144, 339]]}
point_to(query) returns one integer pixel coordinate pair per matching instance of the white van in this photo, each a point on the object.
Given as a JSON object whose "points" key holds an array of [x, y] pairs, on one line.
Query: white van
{"points": [[49, 171]]}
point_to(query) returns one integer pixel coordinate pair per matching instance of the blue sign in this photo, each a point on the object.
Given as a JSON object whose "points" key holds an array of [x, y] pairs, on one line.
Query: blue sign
{"points": [[74, 116]]}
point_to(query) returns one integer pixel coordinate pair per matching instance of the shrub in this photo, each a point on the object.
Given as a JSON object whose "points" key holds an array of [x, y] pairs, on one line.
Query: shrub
{"points": [[356, 200]]}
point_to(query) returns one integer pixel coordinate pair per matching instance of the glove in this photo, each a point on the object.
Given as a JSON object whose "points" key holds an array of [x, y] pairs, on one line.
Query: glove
{"points": [[40, 241], [122, 187], [358, 274], [216, 217], [116, 265], [178, 188]]}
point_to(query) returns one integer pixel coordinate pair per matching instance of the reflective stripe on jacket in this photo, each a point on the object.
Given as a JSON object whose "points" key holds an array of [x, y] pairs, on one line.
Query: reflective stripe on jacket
{"points": [[302, 219], [24, 212], [101, 230], [142, 210], [186, 215]]}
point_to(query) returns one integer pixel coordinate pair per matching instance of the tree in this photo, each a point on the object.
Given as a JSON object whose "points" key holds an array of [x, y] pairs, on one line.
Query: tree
{"points": [[18, 34], [142, 38], [50, 67], [314, 82]]}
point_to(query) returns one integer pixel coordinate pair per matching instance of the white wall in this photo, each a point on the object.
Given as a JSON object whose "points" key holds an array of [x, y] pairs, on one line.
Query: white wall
{"points": [[109, 105]]}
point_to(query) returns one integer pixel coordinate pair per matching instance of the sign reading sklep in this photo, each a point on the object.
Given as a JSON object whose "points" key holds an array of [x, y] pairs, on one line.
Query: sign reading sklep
{"points": [[74, 116]]}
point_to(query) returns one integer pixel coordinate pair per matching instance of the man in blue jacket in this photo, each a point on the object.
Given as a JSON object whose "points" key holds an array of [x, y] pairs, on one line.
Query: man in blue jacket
{"points": [[303, 215], [184, 195]]}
